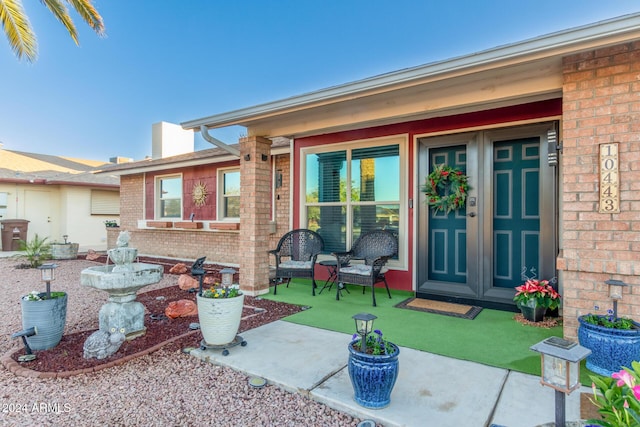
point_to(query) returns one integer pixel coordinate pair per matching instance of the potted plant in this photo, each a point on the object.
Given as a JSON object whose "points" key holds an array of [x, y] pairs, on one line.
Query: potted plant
{"points": [[66, 250], [47, 311], [373, 366], [111, 223], [614, 341], [618, 398], [219, 313], [535, 297]]}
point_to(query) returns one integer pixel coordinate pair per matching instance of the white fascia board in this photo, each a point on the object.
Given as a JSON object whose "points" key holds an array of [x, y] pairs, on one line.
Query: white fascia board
{"points": [[185, 164], [603, 33], [171, 165]]}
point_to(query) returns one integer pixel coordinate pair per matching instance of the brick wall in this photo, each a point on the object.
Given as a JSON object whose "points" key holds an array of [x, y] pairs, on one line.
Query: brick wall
{"points": [[601, 104], [131, 201], [282, 201], [219, 246], [255, 214]]}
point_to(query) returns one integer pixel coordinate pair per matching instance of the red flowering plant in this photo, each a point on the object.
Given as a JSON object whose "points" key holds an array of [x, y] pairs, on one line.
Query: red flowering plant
{"points": [[539, 290], [618, 397], [446, 188]]}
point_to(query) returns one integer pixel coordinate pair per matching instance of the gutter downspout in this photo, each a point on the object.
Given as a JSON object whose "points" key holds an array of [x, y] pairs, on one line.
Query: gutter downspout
{"points": [[205, 134]]}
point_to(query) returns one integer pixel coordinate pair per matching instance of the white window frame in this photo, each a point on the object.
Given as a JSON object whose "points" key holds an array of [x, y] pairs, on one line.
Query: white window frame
{"points": [[221, 196], [402, 262], [158, 196]]}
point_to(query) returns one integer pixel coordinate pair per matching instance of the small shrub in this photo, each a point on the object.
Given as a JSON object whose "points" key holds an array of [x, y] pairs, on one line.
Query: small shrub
{"points": [[35, 251]]}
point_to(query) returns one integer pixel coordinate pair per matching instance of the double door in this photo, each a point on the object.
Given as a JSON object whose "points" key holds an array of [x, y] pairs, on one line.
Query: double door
{"points": [[507, 231]]}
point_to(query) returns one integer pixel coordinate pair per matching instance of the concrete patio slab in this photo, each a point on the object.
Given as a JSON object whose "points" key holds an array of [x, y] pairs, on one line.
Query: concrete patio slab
{"points": [[431, 390]]}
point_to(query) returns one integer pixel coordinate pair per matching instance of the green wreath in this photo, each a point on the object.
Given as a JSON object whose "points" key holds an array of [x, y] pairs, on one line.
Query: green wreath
{"points": [[446, 188]]}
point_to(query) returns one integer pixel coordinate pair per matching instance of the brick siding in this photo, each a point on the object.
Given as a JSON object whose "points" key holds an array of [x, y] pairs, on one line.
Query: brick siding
{"points": [[219, 247], [601, 104]]}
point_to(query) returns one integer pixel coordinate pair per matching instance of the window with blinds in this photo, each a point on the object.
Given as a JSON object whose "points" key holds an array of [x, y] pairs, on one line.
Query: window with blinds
{"points": [[351, 191], [104, 202]]}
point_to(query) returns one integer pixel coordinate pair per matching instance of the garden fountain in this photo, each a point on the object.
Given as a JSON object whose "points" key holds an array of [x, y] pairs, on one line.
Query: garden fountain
{"points": [[121, 281]]}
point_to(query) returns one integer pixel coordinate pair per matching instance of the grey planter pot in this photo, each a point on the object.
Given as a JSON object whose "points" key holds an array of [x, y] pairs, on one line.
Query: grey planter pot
{"points": [[64, 250], [49, 317]]}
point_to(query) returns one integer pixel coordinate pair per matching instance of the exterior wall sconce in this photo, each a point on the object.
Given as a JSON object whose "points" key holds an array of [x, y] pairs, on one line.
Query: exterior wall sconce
{"points": [[364, 326], [278, 178], [560, 366]]}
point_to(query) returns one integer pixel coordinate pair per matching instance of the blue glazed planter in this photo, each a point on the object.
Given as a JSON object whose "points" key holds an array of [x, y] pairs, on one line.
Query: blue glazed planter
{"points": [[373, 377], [611, 349]]}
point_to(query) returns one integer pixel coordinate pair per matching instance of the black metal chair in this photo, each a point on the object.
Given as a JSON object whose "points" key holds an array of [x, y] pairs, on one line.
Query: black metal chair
{"points": [[375, 248], [296, 255]]}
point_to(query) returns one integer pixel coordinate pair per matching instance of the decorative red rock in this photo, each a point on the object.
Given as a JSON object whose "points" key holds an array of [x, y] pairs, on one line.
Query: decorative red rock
{"points": [[186, 282], [181, 308], [179, 268]]}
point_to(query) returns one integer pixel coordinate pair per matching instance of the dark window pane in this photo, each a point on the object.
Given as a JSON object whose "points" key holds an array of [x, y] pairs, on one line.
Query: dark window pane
{"points": [[372, 217], [232, 207], [330, 223], [170, 208], [326, 177]]}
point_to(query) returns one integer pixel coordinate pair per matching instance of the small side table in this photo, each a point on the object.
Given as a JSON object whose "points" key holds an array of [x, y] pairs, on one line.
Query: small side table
{"points": [[332, 268]]}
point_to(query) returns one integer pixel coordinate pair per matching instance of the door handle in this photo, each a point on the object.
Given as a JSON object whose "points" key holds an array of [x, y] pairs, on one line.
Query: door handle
{"points": [[471, 214]]}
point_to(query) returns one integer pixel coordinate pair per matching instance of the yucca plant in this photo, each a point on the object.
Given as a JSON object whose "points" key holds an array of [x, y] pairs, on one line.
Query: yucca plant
{"points": [[35, 251]]}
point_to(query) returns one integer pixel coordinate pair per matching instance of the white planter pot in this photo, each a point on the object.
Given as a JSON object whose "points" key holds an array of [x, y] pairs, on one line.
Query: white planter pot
{"points": [[219, 318]]}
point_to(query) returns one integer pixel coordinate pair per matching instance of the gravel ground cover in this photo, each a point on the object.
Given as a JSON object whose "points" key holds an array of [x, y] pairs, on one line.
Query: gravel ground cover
{"points": [[163, 388]]}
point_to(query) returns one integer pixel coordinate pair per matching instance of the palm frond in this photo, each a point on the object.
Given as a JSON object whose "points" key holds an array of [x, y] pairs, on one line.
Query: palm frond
{"points": [[90, 15], [18, 30], [61, 13]]}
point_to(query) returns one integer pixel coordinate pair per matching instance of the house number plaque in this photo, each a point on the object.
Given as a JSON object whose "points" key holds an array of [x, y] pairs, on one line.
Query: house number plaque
{"points": [[609, 179]]}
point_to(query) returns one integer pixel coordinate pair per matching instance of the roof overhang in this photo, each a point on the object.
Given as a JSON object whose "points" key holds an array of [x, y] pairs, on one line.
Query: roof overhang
{"points": [[197, 158], [512, 74]]}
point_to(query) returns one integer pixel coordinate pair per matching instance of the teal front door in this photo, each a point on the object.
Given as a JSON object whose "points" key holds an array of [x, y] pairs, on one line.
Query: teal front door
{"points": [[448, 231], [516, 212], [505, 234]]}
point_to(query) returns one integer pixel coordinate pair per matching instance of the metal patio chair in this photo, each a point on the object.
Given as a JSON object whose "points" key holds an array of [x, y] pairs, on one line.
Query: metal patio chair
{"points": [[296, 255], [375, 248]]}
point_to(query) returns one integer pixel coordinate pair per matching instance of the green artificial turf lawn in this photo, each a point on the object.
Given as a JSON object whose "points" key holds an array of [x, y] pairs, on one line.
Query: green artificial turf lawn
{"points": [[493, 338]]}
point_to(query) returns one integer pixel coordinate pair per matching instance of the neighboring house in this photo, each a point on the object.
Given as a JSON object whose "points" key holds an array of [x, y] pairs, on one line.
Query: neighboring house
{"points": [[58, 196], [546, 130]]}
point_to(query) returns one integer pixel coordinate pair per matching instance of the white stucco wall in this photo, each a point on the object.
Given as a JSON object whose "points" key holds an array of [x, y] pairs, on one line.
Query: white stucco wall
{"points": [[54, 211]]}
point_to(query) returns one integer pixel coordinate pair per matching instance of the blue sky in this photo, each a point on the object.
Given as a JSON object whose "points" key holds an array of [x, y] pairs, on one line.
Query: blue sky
{"points": [[177, 60]]}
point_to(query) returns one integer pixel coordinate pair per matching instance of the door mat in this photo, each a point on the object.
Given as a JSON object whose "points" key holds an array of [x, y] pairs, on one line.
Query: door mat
{"points": [[441, 307]]}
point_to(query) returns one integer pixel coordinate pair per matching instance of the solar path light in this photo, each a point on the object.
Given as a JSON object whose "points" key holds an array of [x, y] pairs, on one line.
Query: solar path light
{"points": [[48, 275], [364, 326], [560, 366]]}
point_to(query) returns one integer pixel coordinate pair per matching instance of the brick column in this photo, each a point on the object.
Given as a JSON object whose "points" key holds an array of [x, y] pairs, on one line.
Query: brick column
{"points": [[601, 104], [255, 213]]}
